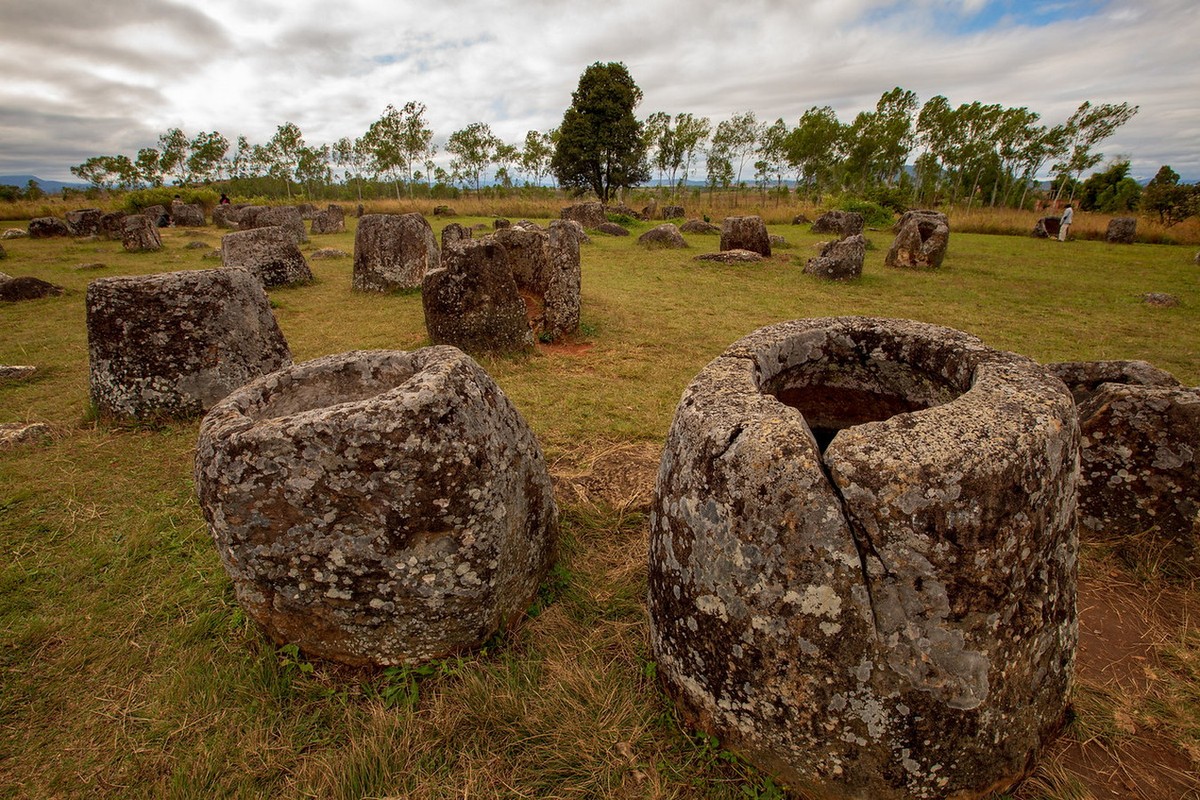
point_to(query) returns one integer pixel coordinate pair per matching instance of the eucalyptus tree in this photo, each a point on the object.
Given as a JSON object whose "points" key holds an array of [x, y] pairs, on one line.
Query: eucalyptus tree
{"points": [[504, 157], [879, 141], [814, 148], [660, 143], [691, 134], [1086, 128], [535, 155], [397, 142], [473, 148], [172, 154], [353, 157], [206, 156], [600, 142], [773, 149], [736, 139], [149, 166], [283, 153]]}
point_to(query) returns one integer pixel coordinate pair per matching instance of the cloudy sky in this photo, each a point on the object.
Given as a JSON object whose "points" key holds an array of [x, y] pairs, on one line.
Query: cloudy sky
{"points": [[83, 78]]}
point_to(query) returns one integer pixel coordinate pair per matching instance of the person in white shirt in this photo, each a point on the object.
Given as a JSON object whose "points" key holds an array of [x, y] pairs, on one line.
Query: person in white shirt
{"points": [[1065, 223]]}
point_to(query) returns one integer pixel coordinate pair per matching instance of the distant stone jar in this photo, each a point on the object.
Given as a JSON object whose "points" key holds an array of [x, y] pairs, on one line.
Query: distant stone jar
{"points": [[377, 507], [862, 558], [745, 233], [269, 253], [393, 251]]}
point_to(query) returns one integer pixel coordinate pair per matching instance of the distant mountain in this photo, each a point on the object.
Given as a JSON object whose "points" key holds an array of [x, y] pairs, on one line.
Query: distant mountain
{"points": [[49, 187]]}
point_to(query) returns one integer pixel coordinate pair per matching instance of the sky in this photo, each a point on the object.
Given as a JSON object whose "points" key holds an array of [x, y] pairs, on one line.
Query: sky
{"points": [[84, 78]]}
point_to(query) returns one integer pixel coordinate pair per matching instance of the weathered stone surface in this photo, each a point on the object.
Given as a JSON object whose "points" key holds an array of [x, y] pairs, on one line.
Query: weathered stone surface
{"points": [[624, 210], [673, 212], [287, 217], [84, 221], [328, 252], [95, 265], [590, 215], [454, 234], [226, 215], [14, 233], [699, 226], [307, 210], [47, 228], [158, 215], [188, 215], [840, 260], [560, 298], [393, 251], [843, 223], [745, 233], [443, 211], [17, 372], [1046, 228], [1083, 378], [732, 257], [139, 234], [269, 254], [1140, 461], [25, 287], [528, 225], [500, 223], [611, 229], [173, 344], [471, 300], [1160, 299], [17, 434], [1121, 230], [801, 219], [331, 220], [111, 225], [922, 238], [663, 236], [377, 507], [527, 257], [862, 558], [580, 233]]}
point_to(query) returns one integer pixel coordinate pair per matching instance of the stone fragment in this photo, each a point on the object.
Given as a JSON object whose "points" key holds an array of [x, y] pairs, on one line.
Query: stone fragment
{"points": [[500, 223], [471, 300], [112, 225], [921, 241], [840, 260], [673, 212], [745, 233], [188, 215], [528, 225], [328, 252], [862, 558], [624, 210], [842, 223], [580, 233], [226, 215], [699, 226], [1083, 378], [17, 372], [1047, 228], [269, 254], [95, 265], [393, 251], [454, 234], [443, 211], [732, 257], [1121, 230], [47, 228], [331, 220], [801, 219], [84, 221], [377, 507], [26, 287], [173, 344], [158, 215], [306, 210], [287, 217], [560, 296], [611, 229], [1160, 299], [590, 215], [139, 234], [17, 434], [14, 233], [662, 236]]}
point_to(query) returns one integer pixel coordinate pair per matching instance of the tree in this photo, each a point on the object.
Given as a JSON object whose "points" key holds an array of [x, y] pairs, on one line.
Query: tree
{"points": [[600, 145], [814, 148], [173, 152], [473, 148], [773, 149], [660, 141], [1171, 200], [399, 140], [206, 158], [1086, 128], [283, 153], [691, 133], [504, 156], [1111, 190], [535, 155], [352, 156], [149, 166], [736, 138]]}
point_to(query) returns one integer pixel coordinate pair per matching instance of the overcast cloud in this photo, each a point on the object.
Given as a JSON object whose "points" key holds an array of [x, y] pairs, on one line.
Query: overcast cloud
{"points": [[100, 78]]}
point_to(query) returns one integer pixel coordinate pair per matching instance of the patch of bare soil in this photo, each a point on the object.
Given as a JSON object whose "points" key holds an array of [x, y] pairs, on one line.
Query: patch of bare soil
{"points": [[1124, 627], [620, 475]]}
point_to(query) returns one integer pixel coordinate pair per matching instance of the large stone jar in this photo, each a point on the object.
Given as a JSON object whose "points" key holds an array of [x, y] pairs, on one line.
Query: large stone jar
{"points": [[377, 507], [862, 557]]}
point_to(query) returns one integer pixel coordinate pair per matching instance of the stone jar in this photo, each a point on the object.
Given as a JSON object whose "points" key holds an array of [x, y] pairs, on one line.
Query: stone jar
{"points": [[377, 507], [863, 561]]}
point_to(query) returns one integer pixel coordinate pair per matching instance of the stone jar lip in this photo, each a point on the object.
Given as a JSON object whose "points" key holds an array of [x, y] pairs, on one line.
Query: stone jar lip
{"points": [[342, 384]]}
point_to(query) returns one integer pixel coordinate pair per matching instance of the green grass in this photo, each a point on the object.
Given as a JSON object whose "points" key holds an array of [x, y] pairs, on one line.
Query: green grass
{"points": [[127, 669]]}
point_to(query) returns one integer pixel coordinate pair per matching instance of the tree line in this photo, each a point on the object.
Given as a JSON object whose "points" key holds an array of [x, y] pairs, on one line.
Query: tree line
{"points": [[972, 153]]}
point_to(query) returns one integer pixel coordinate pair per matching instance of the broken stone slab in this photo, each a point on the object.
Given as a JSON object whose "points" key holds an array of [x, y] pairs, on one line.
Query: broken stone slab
{"points": [[111, 225], [14, 233], [561, 301], [270, 254], [922, 238], [92, 266], [188, 215], [393, 251], [331, 220], [47, 228], [226, 215], [665, 236], [17, 372], [840, 260], [842, 223], [732, 257], [158, 215], [1160, 299], [444, 211], [590, 215], [139, 234], [500, 223], [377, 507], [699, 226], [287, 217], [862, 559], [454, 234], [611, 229], [18, 434], [471, 301], [1047, 228], [84, 221], [25, 287], [1083, 378], [328, 252], [745, 233], [672, 212], [174, 344], [1121, 230]]}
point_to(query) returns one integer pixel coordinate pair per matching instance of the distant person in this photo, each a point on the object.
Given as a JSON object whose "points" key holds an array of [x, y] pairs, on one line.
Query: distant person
{"points": [[1065, 223], [224, 199]]}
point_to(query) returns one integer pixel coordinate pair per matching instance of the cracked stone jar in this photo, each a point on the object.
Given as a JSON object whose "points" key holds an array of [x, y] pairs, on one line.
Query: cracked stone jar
{"points": [[862, 559], [377, 507]]}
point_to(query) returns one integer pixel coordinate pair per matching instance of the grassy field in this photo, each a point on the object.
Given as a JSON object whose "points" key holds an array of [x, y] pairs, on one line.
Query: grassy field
{"points": [[127, 669]]}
